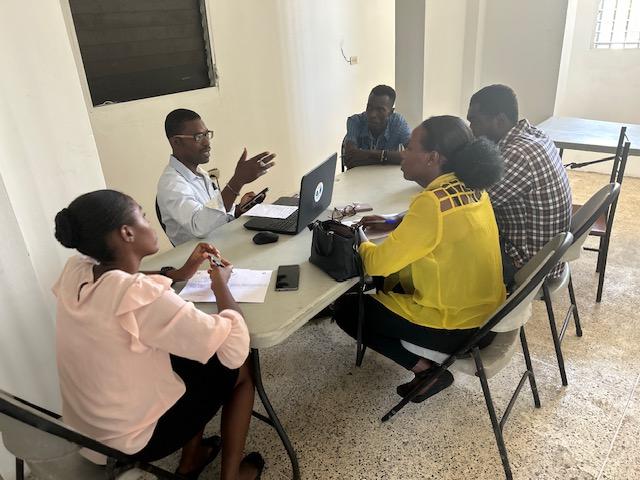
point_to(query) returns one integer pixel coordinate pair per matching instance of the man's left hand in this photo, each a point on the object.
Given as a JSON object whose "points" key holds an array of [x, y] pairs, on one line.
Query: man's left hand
{"points": [[247, 170]]}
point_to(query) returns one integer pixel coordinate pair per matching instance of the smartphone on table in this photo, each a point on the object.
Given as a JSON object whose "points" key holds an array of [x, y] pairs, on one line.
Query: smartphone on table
{"points": [[287, 278], [259, 198]]}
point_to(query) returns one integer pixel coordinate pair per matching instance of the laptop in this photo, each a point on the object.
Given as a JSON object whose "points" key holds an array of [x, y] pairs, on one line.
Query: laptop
{"points": [[316, 189]]}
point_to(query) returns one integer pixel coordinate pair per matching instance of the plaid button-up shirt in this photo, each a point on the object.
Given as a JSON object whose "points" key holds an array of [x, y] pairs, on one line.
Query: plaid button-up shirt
{"points": [[532, 203]]}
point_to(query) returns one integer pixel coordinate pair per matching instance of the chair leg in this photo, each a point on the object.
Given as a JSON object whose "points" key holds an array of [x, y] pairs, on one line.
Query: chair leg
{"points": [[497, 431], [554, 332], [574, 305], [603, 268], [527, 361], [599, 259]]}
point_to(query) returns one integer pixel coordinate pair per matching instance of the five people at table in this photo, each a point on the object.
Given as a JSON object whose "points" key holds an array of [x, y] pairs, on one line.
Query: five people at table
{"points": [[143, 371]]}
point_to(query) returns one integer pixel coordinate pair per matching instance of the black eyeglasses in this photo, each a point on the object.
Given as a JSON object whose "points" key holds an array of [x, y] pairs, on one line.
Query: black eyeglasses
{"points": [[198, 137]]}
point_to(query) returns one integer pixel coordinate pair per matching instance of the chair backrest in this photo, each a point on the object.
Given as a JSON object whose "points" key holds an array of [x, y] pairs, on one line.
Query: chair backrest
{"points": [[159, 216], [513, 312], [619, 161], [586, 216], [619, 175], [31, 434]]}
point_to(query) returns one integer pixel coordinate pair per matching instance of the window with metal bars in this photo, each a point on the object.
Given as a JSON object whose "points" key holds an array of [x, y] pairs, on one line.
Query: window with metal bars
{"points": [[617, 24], [143, 48]]}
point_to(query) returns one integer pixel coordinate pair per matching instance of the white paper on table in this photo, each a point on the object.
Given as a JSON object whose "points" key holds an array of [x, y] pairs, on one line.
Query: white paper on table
{"points": [[371, 234], [271, 211], [246, 286]]}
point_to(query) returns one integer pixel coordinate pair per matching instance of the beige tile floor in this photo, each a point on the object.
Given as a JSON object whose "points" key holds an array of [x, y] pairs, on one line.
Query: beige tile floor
{"points": [[587, 430]]}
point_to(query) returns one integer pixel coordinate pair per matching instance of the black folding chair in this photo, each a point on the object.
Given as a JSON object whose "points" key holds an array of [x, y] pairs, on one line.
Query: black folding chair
{"points": [[159, 216], [604, 224], [509, 321], [581, 225]]}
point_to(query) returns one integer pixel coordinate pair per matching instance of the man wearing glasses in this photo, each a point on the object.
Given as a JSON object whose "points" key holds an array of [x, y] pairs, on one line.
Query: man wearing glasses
{"points": [[189, 205]]}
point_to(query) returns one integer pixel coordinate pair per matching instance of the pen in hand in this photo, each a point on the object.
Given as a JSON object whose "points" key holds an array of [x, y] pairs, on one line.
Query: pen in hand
{"points": [[215, 260], [370, 223], [388, 221]]}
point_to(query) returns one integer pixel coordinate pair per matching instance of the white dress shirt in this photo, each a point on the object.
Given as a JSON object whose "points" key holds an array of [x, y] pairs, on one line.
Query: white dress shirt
{"points": [[190, 205]]}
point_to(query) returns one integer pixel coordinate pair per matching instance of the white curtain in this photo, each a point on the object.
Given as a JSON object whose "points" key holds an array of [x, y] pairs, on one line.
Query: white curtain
{"points": [[47, 157]]}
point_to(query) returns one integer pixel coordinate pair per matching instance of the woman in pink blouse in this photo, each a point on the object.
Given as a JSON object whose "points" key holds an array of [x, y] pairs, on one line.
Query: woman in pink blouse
{"points": [[140, 369]]}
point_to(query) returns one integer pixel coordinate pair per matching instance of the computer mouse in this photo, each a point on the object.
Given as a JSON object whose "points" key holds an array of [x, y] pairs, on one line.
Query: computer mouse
{"points": [[261, 238]]}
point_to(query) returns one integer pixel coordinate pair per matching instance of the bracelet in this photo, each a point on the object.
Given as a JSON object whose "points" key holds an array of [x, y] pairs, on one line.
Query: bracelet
{"points": [[232, 190], [165, 270]]}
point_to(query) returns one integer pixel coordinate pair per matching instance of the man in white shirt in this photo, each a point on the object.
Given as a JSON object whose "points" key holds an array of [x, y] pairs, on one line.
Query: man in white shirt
{"points": [[189, 204]]}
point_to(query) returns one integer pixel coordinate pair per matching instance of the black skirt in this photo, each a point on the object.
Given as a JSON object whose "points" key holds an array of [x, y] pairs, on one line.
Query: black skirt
{"points": [[208, 388]]}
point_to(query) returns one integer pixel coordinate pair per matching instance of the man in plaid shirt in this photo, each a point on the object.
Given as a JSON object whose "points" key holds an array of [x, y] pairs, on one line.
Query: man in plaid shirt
{"points": [[532, 202]]}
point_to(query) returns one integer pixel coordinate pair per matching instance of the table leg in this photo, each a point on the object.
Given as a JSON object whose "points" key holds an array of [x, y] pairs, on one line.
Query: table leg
{"points": [[275, 423], [19, 469]]}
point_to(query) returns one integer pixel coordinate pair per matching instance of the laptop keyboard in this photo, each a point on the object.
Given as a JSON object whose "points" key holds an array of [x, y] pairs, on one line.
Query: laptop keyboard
{"points": [[288, 224]]}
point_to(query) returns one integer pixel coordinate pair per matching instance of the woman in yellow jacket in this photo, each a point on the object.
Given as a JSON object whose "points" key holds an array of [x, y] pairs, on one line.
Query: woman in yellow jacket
{"points": [[441, 265]]}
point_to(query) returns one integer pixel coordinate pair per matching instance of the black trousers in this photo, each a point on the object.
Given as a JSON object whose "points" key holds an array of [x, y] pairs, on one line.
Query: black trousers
{"points": [[383, 330]]}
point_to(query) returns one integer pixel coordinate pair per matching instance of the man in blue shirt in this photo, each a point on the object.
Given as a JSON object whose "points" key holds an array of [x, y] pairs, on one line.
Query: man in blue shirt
{"points": [[374, 137]]}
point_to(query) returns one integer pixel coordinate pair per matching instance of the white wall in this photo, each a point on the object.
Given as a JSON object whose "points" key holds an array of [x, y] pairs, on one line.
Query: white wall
{"points": [[284, 87], [521, 47], [444, 57], [410, 59], [600, 84], [473, 43], [47, 158]]}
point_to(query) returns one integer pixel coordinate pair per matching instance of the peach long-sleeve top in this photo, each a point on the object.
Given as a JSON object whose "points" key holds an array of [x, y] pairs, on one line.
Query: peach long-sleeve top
{"points": [[113, 339]]}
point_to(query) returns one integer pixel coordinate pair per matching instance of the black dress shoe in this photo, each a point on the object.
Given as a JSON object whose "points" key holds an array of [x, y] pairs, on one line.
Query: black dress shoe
{"points": [[255, 459], [215, 442], [445, 379]]}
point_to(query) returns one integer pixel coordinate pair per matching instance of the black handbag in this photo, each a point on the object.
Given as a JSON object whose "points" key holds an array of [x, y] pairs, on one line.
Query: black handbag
{"points": [[334, 249]]}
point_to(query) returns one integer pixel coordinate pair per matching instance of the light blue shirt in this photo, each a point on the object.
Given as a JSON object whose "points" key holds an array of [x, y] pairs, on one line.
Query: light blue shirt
{"points": [[190, 205], [395, 134]]}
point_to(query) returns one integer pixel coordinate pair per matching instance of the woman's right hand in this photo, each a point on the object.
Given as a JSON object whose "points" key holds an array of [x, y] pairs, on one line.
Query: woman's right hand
{"points": [[378, 223], [219, 278], [199, 255], [220, 275]]}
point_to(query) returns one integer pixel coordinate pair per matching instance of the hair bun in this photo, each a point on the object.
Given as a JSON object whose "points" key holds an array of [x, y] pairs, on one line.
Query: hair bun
{"points": [[479, 164], [67, 228]]}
